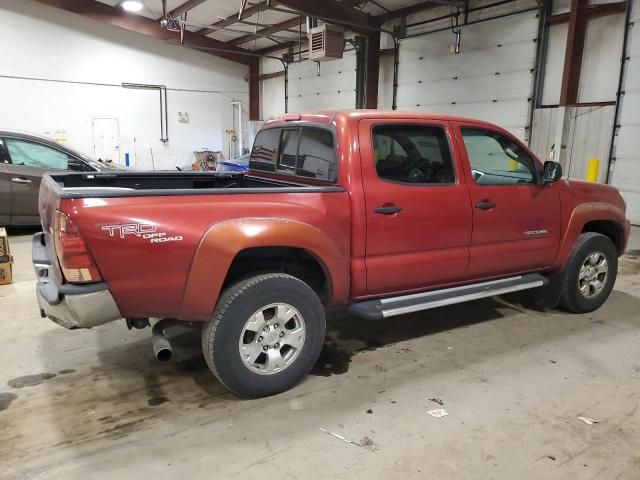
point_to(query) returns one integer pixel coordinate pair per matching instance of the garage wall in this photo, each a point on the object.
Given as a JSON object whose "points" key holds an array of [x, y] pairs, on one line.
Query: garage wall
{"points": [[588, 128], [626, 167], [491, 78], [272, 90], [588, 136], [59, 46], [333, 88]]}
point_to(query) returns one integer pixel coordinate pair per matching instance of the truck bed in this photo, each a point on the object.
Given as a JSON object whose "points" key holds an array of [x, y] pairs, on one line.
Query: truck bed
{"points": [[134, 184]]}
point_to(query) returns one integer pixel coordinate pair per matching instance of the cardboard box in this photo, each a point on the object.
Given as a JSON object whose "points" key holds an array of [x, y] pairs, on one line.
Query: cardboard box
{"points": [[6, 273]]}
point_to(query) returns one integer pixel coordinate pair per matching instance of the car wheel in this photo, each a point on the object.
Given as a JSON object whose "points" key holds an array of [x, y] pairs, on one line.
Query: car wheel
{"points": [[265, 335], [589, 274]]}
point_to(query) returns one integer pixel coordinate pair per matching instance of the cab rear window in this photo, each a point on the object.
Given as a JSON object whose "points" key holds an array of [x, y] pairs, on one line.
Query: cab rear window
{"points": [[299, 151]]}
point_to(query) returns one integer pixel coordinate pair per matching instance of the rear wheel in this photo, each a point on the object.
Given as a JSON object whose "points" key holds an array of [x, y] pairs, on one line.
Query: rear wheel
{"points": [[589, 274], [265, 335]]}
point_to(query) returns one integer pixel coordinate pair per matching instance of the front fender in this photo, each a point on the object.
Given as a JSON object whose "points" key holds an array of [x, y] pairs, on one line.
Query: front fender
{"points": [[224, 240], [580, 216]]}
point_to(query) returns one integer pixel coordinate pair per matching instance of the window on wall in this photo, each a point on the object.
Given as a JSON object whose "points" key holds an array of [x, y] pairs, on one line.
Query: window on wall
{"points": [[496, 159], [32, 154], [305, 152], [416, 154]]}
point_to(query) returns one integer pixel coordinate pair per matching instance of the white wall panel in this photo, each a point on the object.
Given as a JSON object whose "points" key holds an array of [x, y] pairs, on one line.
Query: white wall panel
{"points": [[554, 64], [589, 137], [601, 59], [61, 46], [626, 169], [543, 132], [333, 88], [272, 90], [491, 78]]}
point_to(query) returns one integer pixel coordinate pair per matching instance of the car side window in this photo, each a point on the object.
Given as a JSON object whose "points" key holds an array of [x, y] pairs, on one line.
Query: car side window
{"points": [[32, 154], [317, 155], [415, 154], [265, 150], [497, 160]]}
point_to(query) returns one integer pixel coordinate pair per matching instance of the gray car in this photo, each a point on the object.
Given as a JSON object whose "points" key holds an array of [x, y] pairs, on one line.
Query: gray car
{"points": [[24, 159]]}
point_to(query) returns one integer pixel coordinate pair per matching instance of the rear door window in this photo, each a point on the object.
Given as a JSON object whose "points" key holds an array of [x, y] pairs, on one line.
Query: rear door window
{"points": [[317, 155], [415, 154]]}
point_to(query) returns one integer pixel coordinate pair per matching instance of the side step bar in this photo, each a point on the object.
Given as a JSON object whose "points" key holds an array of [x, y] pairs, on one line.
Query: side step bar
{"points": [[389, 307]]}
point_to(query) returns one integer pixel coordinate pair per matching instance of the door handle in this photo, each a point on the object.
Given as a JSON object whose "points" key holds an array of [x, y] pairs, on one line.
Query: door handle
{"points": [[485, 205], [387, 209], [20, 180]]}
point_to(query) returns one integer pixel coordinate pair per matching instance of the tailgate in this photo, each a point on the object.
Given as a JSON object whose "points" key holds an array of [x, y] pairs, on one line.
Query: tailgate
{"points": [[48, 203]]}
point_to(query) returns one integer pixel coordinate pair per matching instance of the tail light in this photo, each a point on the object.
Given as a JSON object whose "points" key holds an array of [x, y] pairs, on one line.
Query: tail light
{"points": [[76, 262]]}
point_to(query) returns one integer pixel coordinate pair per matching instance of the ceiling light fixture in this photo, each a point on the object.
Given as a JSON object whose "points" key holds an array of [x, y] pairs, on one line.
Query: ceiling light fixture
{"points": [[132, 5]]}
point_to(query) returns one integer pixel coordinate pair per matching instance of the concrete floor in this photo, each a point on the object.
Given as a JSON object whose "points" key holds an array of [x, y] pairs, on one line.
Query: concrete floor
{"points": [[95, 404]]}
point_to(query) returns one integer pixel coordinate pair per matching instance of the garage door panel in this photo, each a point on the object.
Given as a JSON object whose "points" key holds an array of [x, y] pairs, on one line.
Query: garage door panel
{"points": [[487, 88], [508, 114], [416, 63], [514, 30], [505, 46], [626, 169], [333, 88]]}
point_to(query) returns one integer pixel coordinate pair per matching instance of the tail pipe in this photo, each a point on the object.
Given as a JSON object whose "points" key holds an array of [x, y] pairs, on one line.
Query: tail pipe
{"points": [[161, 345]]}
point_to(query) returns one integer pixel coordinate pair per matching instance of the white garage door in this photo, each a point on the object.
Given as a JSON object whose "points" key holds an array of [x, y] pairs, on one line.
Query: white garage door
{"points": [[490, 79], [626, 169], [335, 87]]}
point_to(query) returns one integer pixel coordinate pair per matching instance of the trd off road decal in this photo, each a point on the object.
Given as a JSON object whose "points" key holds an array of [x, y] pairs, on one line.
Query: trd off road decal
{"points": [[146, 231]]}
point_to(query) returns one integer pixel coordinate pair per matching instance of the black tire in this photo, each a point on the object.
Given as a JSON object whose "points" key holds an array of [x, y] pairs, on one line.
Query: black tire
{"points": [[570, 297], [221, 335]]}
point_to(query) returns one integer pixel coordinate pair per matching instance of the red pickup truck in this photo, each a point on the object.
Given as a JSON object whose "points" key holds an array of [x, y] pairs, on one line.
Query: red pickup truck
{"points": [[386, 212]]}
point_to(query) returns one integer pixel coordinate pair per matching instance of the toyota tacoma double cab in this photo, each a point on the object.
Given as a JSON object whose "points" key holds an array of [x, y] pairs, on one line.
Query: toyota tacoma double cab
{"points": [[384, 212]]}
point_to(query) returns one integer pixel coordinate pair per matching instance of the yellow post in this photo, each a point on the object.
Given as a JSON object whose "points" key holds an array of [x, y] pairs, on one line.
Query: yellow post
{"points": [[592, 170], [513, 165]]}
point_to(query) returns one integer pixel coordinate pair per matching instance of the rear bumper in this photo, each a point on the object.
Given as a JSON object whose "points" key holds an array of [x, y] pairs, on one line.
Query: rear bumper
{"points": [[71, 306]]}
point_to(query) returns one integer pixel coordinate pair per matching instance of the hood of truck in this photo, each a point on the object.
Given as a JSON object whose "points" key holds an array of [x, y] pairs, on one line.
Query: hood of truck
{"points": [[583, 192]]}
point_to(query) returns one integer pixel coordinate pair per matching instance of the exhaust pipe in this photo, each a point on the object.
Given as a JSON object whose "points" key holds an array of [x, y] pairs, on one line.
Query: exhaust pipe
{"points": [[161, 345]]}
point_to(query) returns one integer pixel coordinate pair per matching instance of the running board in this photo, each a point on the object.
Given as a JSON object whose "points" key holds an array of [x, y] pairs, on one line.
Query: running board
{"points": [[389, 307]]}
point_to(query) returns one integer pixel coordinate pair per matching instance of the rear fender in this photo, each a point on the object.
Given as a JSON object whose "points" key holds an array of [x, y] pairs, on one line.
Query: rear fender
{"points": [[224, 240], [581, 215]]}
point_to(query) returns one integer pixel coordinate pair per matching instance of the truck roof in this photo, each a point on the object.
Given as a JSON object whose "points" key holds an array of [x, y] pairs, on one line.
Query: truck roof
{"points": [[330, 116]]}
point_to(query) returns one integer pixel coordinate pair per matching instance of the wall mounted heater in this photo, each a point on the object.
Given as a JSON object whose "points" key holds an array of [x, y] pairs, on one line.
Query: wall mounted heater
{"points": [[326, 42]]}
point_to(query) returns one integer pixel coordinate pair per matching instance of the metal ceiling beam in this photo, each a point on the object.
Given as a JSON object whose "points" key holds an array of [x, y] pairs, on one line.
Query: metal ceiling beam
{"points": [[185, 7], [280, 46], [402, 12], [413, 9], [255, 9], [574, 52], [592, 11], [339, 13], [145, 26], [246, 13], [278, 27]]}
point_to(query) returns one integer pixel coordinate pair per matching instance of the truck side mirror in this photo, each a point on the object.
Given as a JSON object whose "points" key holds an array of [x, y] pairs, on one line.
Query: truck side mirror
{"points": [[552, 172]]}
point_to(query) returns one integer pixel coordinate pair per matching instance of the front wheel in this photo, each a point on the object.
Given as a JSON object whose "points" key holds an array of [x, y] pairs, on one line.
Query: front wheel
{"points": [[265, 335], [589, 274]]}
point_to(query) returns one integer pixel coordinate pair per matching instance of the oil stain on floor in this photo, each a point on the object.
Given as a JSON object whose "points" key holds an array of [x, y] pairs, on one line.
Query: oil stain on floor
{"points": [[30, 380], [6, 399]]}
